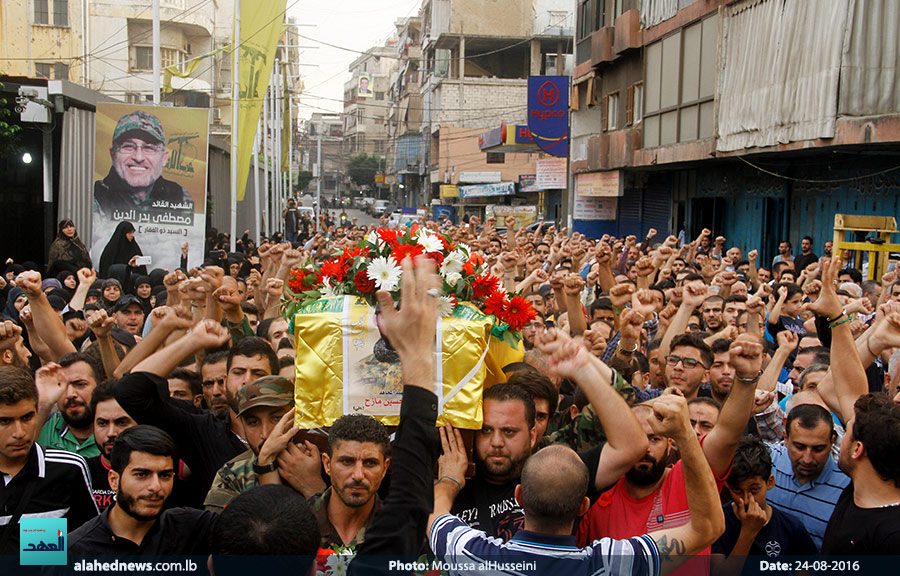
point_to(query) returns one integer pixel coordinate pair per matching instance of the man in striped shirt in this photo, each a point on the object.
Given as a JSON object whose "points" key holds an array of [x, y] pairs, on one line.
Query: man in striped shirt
{"points": [[36, 482], [553, 490], [808, 482]]}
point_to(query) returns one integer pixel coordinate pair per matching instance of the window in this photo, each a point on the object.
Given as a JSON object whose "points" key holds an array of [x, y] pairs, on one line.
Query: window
{"points": [[634, 112], [634, 104], [143, 58], [55, 14], [55, 71], [612, 111], [61, 71], [678, 104], [496, 158], [61, 13], [42, 12], [169, 57], [379, 95]]}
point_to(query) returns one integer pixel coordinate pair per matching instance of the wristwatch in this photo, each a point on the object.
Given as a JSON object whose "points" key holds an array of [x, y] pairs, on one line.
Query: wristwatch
{"points": [[752, 380], [260, 470]]}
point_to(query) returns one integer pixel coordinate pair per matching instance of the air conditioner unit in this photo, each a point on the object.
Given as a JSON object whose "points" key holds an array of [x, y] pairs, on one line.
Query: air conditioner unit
{"points": [[217, 114]]}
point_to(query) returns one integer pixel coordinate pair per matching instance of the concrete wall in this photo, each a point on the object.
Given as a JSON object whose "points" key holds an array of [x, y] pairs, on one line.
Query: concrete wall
{"points": [[115, 26], [482, 103], [21, 39], [491, 17]]}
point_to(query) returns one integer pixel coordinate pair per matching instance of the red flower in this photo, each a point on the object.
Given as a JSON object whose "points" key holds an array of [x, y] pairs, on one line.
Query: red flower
{"points": [[438, 258], [474, 262], [483, 286], [363, 283], [401, 251], [334, 268], [295, 280], [495, 304], [518, 313], [388, 236]]}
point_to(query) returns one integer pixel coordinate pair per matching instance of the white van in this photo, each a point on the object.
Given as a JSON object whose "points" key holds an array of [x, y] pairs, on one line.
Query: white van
{"points": [[379, 207]]}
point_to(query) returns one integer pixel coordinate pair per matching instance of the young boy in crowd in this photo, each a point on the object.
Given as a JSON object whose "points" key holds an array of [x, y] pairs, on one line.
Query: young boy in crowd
{"points": [[752, 526]]}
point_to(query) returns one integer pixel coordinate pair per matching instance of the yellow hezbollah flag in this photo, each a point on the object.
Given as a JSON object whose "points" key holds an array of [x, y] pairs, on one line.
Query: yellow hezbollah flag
{"points": [[261, 29], [343, 365]]}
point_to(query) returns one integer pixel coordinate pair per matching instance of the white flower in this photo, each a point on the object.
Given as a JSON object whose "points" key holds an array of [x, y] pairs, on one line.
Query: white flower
{"points": [[385, 273], [445, 306], [339, 564], [328, 290], [430, 242], [453, 263], [375, 240], [465, 249], [452, 278]]}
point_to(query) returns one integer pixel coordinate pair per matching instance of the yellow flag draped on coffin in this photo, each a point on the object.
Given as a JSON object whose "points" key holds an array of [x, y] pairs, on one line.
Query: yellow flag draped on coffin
{"points": [[344, 366], [261, 29]]}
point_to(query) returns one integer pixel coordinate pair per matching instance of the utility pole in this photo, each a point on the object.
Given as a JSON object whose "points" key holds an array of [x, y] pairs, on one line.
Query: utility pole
{"points": [[156, 55], [235, 105], [319, 177]]}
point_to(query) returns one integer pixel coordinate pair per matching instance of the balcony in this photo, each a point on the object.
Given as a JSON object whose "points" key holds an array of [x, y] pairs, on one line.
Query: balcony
{"points": [[602, 42], [628, 32], [613, 149]]}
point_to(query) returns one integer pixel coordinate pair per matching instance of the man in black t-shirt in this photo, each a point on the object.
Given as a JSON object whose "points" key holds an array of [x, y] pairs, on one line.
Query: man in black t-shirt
{"points": [[866, 519], [488, 502], [110, 419], [806, 256], [144, 461], [291, 221]]}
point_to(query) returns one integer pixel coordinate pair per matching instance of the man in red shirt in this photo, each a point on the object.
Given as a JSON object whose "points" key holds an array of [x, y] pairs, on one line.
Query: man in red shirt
{"points": [[651, 496]]}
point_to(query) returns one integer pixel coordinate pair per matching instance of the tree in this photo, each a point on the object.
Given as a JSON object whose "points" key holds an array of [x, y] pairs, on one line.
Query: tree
{"points": [[303, 179], [362, 169], [9, 133]]}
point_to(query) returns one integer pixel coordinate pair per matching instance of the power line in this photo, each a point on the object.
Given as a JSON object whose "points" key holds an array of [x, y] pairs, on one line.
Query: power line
{"points": [[808, 181], [239, 45]]}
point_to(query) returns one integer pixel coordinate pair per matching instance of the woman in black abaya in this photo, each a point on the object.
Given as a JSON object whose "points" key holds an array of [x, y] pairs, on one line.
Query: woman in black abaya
{"points": [[121, 249]]}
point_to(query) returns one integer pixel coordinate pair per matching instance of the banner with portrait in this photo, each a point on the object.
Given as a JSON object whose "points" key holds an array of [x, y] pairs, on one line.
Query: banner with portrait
{"points": [[150, 175]]}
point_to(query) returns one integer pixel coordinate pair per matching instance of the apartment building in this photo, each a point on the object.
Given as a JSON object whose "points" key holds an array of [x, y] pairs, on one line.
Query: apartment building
{"points": [[758, 119]]}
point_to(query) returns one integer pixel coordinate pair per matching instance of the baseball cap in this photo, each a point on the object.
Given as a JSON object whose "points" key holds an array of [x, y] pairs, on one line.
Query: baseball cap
{"points": [[125, 302], [267, 391], [139, 121]]}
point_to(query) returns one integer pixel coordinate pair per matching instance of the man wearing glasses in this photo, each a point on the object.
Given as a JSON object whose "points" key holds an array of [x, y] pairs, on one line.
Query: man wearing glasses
{"points": [[135, 180]]}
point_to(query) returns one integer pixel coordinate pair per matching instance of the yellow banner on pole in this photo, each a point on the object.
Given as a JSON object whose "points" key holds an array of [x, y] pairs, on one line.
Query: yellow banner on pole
{"points": [[261, 29], [188, 69]]}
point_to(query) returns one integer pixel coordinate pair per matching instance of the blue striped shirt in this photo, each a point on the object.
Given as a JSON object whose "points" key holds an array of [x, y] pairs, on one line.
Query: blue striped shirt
{"points": [[462, 550], [812, 503]]}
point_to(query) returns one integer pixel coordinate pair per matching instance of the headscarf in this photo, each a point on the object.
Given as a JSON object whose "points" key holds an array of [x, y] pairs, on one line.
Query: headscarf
{"points": [[108, 305], [67, 251], [50, 283], [145, 302], [157, 275], [64, 275], [119, 250], [10, 311]]}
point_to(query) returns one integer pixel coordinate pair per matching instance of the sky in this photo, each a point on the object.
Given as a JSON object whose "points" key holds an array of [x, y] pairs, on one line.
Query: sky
{"points": [[355, 24]]}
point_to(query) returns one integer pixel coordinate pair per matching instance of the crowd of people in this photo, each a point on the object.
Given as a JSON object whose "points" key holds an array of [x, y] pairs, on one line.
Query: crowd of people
{"points": [[681, 406]]}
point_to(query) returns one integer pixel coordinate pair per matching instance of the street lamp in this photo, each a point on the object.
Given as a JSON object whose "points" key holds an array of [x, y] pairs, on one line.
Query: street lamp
{"points": [[26, 158]]}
